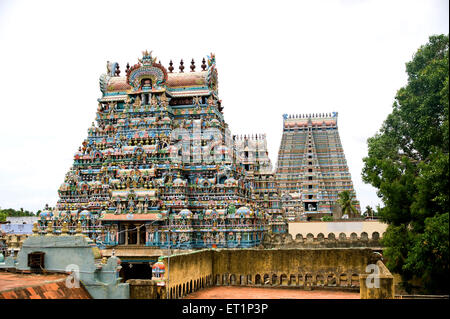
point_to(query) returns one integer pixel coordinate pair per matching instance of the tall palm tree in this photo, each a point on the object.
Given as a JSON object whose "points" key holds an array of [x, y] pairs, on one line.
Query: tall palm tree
{"points": [[347, 204], [369, 211]]}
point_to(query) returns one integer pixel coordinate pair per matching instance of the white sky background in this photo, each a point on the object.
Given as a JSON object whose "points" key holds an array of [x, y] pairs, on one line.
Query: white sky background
{"points": [[273, 57]]}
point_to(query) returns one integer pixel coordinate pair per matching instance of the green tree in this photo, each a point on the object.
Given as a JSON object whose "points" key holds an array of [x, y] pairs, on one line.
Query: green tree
{"points": [[3, 216], [327, 218], [347, 204], [408, 162], [431, 245], [10, 212], [369, 212]]}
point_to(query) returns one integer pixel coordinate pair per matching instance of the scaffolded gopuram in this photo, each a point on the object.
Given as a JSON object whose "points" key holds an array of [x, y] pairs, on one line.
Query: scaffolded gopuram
{"points": [[160, 169], [311, 168]]}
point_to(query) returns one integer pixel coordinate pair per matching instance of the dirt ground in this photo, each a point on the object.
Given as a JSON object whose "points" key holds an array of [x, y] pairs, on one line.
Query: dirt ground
{"points": [[268, 293]]}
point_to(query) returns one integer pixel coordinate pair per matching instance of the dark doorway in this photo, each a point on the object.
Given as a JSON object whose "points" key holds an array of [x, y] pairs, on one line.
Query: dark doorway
{"points": [[36, 261], [132, 235], [135, 271], [142, 239], [121, 234]]}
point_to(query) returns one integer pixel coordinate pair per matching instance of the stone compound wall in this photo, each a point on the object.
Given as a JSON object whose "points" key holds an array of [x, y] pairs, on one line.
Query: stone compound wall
{"points": [[145, 289], [291, 267], [189, 272], [321, 241], [304, 268], [343, 226]]}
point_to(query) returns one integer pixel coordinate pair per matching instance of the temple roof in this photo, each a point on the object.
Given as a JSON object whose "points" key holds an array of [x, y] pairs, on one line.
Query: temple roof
{"points": [[328, 119], [195, 79], [176, 81]]}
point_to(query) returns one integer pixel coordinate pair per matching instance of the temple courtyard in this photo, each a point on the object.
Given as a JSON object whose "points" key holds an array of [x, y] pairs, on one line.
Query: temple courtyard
{"points": [[269, 293]]}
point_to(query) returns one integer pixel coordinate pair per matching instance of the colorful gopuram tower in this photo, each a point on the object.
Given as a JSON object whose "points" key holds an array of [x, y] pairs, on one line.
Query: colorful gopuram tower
{"points": [[159, 168], [254, 158], [311, 168]]}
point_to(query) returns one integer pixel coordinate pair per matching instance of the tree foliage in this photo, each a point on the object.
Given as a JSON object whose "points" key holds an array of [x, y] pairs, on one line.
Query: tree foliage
{"points": [[408, 162], [347, 203], [369, 212], [10, 212]]}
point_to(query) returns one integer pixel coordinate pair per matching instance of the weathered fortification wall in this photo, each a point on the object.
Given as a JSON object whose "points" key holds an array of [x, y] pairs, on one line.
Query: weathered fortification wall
{"points": [[145, 289], [188, 272], [321, 241], [285, 263], [339, 267]]}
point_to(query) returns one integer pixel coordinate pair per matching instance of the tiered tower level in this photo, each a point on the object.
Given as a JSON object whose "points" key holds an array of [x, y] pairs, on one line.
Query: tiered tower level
{"points": [[159, 168], [311, 168], [254, 159]]}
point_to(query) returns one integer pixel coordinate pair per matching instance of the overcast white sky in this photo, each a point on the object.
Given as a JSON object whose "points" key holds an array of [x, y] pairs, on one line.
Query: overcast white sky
{"points": [[273, 57]]}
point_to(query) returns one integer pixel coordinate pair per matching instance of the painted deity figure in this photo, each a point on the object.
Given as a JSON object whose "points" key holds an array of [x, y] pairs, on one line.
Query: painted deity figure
{"points": [[135, 178], [137, 102], [112, 106], [174, 239], [131, 205], [238, 238], [154, 101], [114, 233], [139, 207], [164, 101], [217, 238], [145, 205], [151, 236], [210, 101]]}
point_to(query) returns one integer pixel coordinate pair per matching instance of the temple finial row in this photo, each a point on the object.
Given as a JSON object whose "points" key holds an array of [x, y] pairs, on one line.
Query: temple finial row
{"points": [[192, 66], [114, 70], [249, 137], [313, 115]]}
